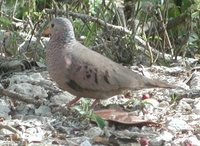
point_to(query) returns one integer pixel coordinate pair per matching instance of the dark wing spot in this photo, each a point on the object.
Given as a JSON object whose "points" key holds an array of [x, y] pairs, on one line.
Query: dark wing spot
{"points": [[106, 77], [95, 78], [90, 70], [86, 67], [78, 68], [106, 73], [88, 76], [72, 84]]}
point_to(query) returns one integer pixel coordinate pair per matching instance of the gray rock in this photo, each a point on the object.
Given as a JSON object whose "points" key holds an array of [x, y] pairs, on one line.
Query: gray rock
{"points": [[28, 89], [183, 106], [15, 79], [62, 98], [22, 78], [187, 141], [195, 81], [4, 109], [164, 104], [25, 109], [43, 111], [177, 125], [163, 136], [194, 141], [196, 107], [86, 143], [36, 77], [93, 132]]}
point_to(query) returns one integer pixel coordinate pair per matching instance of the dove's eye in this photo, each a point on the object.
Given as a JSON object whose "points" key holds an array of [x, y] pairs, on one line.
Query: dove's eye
{"points": [[52, 25]]}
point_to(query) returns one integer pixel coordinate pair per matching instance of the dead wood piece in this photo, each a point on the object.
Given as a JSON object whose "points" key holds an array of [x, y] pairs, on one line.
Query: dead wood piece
{"points": [[16, 96], [7, 127]]}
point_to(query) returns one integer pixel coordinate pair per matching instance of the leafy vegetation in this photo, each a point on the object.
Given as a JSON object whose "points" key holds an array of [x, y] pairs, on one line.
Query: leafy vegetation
{"points": [[108, 27], [85, 109]]}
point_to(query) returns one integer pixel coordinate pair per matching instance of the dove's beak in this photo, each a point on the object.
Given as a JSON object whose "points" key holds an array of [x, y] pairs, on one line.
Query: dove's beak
{"points": [[46, 32]]}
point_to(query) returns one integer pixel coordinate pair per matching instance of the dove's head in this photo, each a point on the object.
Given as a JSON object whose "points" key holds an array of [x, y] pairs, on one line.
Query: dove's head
{"points": [[61, 28]]}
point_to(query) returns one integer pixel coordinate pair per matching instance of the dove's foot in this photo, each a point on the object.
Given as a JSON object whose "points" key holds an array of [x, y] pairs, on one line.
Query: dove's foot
{"points": [[95, 103], [72, 102]]}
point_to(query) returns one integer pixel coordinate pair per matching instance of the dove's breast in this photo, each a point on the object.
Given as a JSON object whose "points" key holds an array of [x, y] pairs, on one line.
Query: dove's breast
{"points": [[58, 63]]}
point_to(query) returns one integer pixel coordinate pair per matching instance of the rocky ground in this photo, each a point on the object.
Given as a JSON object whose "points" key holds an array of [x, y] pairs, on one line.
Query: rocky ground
{"points": [[32, 112]]}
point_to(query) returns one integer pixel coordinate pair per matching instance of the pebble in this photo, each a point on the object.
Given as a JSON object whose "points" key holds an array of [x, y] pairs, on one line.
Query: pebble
{"points": [[43, 110], [86, 143], [195, 81], [62, 98], [28, 90], [4, 109], [196, 107], [178, 125], [93, 132], [164, 136], [183, 106]]}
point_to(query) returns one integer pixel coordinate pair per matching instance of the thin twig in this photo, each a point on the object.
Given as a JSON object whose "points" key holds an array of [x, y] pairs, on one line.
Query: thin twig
{"points": [[165, 31], [190, 95], [12, 129], [16, 96], [45, 85], [13, 18], [14, 10]]}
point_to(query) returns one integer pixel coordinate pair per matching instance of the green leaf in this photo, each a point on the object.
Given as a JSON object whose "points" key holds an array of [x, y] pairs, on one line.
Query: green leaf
{"points": [[5, 21], [100, 122], [173, 11]]}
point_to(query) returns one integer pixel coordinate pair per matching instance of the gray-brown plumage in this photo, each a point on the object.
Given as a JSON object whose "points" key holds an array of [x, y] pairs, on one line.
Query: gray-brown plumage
{"points": [[86, 73]]}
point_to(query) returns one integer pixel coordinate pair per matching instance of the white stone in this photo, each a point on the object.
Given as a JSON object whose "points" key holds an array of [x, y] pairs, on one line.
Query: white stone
{"points": [[196, 108], [36, 77], [164, 104], [195, 81], [25, 109], [15, 79], [43, 111], [165, 135], [33, 134], [194, 140], [177, 125], [62, 98], [93, 132], [28, 89], [86, 143], [4, 109], [183, 106]]}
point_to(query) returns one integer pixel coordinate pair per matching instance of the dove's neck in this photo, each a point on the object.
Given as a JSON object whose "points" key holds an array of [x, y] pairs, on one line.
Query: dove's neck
{"points": [[69, 36], [64, 37]]}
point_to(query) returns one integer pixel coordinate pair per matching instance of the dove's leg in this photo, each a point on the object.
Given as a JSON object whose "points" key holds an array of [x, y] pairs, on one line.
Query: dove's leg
{"points": [[77, 99], [95, 103], [73, 101]]}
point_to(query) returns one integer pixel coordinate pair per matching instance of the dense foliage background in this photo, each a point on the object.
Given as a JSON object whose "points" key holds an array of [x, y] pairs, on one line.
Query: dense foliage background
{"points": [[124, 30]]}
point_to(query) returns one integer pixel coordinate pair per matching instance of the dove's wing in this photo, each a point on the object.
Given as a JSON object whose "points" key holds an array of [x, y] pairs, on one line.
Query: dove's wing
{"points": [[90, 70]]}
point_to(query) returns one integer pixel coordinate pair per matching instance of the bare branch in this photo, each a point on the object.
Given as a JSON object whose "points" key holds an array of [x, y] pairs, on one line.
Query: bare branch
{"points": [[16, 96]]}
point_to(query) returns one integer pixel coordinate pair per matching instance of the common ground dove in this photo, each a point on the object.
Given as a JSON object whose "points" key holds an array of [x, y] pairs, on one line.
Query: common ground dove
{"points": [[86, 73]]}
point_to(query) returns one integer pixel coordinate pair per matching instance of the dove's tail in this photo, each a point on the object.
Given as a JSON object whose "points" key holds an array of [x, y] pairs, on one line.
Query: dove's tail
{"points": [[158, 84]]}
